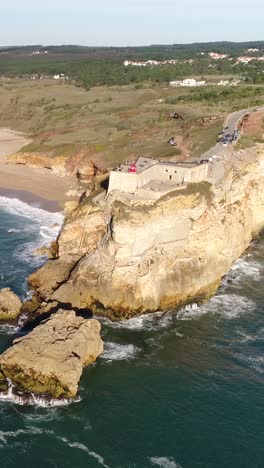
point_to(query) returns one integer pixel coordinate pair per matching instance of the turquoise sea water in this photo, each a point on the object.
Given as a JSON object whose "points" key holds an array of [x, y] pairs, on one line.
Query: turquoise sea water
{"points": [[171, 391]]}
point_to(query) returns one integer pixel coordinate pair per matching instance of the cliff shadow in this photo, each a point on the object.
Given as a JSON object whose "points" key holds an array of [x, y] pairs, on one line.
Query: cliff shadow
{"points": [[33, 322]]}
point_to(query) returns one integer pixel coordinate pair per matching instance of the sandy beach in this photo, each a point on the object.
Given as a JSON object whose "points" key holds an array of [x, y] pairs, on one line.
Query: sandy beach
{"points": [[35, 186], [11, 141]]}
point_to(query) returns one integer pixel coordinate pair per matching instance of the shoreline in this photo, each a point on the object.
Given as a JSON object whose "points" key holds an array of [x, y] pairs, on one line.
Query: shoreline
{"points": [[34, 200], [38, 187]]}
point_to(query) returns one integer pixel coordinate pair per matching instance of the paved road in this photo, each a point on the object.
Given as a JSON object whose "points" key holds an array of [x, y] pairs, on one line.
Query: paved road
{"points": [[232, 122]]}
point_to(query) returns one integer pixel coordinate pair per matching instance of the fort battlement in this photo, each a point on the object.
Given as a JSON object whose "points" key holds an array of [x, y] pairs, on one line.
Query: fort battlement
{"points": [[152, 176]]}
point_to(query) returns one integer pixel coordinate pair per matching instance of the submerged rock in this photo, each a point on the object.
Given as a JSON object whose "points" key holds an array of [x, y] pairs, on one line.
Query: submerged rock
{"points": [[10, 305], [50, 359]]}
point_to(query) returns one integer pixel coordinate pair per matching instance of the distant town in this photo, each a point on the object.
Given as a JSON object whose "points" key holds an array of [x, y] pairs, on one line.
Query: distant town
{"points": [[213, 55]]}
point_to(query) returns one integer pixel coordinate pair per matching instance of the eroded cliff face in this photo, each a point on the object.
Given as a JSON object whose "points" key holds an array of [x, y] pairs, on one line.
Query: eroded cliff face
{"points": [[129, 259], [60, 165]]}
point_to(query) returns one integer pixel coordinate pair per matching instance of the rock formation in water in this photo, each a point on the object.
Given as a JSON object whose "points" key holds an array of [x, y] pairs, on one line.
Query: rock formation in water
{"points": [[136, 257], [10, 305], [50, 359]]}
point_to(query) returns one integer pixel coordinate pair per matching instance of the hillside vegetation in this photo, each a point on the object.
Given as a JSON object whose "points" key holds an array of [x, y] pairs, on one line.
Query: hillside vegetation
{"points": [[111, 124], [97, 66]]}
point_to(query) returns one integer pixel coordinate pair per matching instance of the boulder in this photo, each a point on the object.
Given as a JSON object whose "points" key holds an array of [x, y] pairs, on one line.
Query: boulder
{"points": [[10, 305], [50, 359]]}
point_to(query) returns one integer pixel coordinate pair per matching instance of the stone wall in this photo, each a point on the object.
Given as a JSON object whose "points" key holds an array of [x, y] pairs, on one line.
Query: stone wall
{"points": [[130, 182], [123, 181]]}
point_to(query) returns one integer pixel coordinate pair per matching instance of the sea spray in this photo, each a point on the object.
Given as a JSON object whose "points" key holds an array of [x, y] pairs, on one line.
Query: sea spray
{"points": [[32, 399], [23, 229]]}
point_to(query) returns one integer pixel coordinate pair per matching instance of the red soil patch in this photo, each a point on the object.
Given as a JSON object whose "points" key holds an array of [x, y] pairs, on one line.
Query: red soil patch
{"points": [[254, 124]]}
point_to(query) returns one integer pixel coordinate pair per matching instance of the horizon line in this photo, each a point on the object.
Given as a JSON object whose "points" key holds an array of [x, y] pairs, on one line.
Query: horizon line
{"points": [[131, 46]]}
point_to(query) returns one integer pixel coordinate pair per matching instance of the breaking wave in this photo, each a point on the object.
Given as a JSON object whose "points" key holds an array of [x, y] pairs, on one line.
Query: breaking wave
{"points": [[33, 400], [118, 352], [84, 448], [34, 228], [152, 321], [229, 306], [17, 207], [243, 269], [255, 362], [164, 462], [31, 430]]}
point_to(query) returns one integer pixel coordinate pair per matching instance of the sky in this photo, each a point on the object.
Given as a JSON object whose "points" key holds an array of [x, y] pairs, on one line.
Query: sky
{"points": [[129, 22]]}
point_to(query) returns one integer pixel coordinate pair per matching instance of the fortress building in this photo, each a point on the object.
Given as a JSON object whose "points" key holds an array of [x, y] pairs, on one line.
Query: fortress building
{"points": [[151, 178]]}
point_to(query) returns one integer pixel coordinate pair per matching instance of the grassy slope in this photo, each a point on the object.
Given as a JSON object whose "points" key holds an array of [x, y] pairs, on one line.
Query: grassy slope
{"points": [[115, 123]]}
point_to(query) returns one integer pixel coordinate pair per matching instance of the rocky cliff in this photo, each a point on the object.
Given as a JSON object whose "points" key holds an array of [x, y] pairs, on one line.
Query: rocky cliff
{"points": [[10, 305], [130, 258], [78, 164], [49, 360]]}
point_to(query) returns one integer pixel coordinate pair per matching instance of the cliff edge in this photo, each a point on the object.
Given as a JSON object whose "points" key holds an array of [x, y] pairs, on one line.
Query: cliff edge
{"points": [[124, 258]]}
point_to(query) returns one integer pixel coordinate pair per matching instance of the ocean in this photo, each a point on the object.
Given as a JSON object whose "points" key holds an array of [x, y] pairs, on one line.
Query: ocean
{"points": [[174, 390]]}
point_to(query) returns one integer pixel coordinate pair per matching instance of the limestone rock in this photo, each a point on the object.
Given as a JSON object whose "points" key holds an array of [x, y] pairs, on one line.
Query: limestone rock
{"points": [[158, 255], [39, 160], [50, 359], [88, 172], [51, 275], [10, 305], [70, 206]]}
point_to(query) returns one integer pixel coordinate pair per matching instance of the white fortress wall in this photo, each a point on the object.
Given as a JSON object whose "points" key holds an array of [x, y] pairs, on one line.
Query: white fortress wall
{"points": [[123, 181], [216, 172], [175, 173], [160, 172], [198, 173], [130, 182]]}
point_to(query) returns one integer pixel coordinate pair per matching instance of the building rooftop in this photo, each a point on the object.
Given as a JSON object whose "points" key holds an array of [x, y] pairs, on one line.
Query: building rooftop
{"points": [[159, 185], [142, 163], [179, 164]]}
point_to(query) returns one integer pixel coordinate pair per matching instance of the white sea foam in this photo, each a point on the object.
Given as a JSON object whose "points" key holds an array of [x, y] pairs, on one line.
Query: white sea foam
{"points": [[13, 230], [245, 337], [229, 306], [84, 448], [244, 268], [255, 362], [30, 430], [6, 329], [118, 352], [33, 400], [38, 415], [2, 437], [44, 225], [19, 208], [164, 462], [226, 305], [154, 321]]}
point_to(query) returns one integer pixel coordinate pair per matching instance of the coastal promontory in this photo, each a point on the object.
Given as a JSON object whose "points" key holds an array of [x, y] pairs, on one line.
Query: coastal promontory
{"points": [[126, 257]]}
